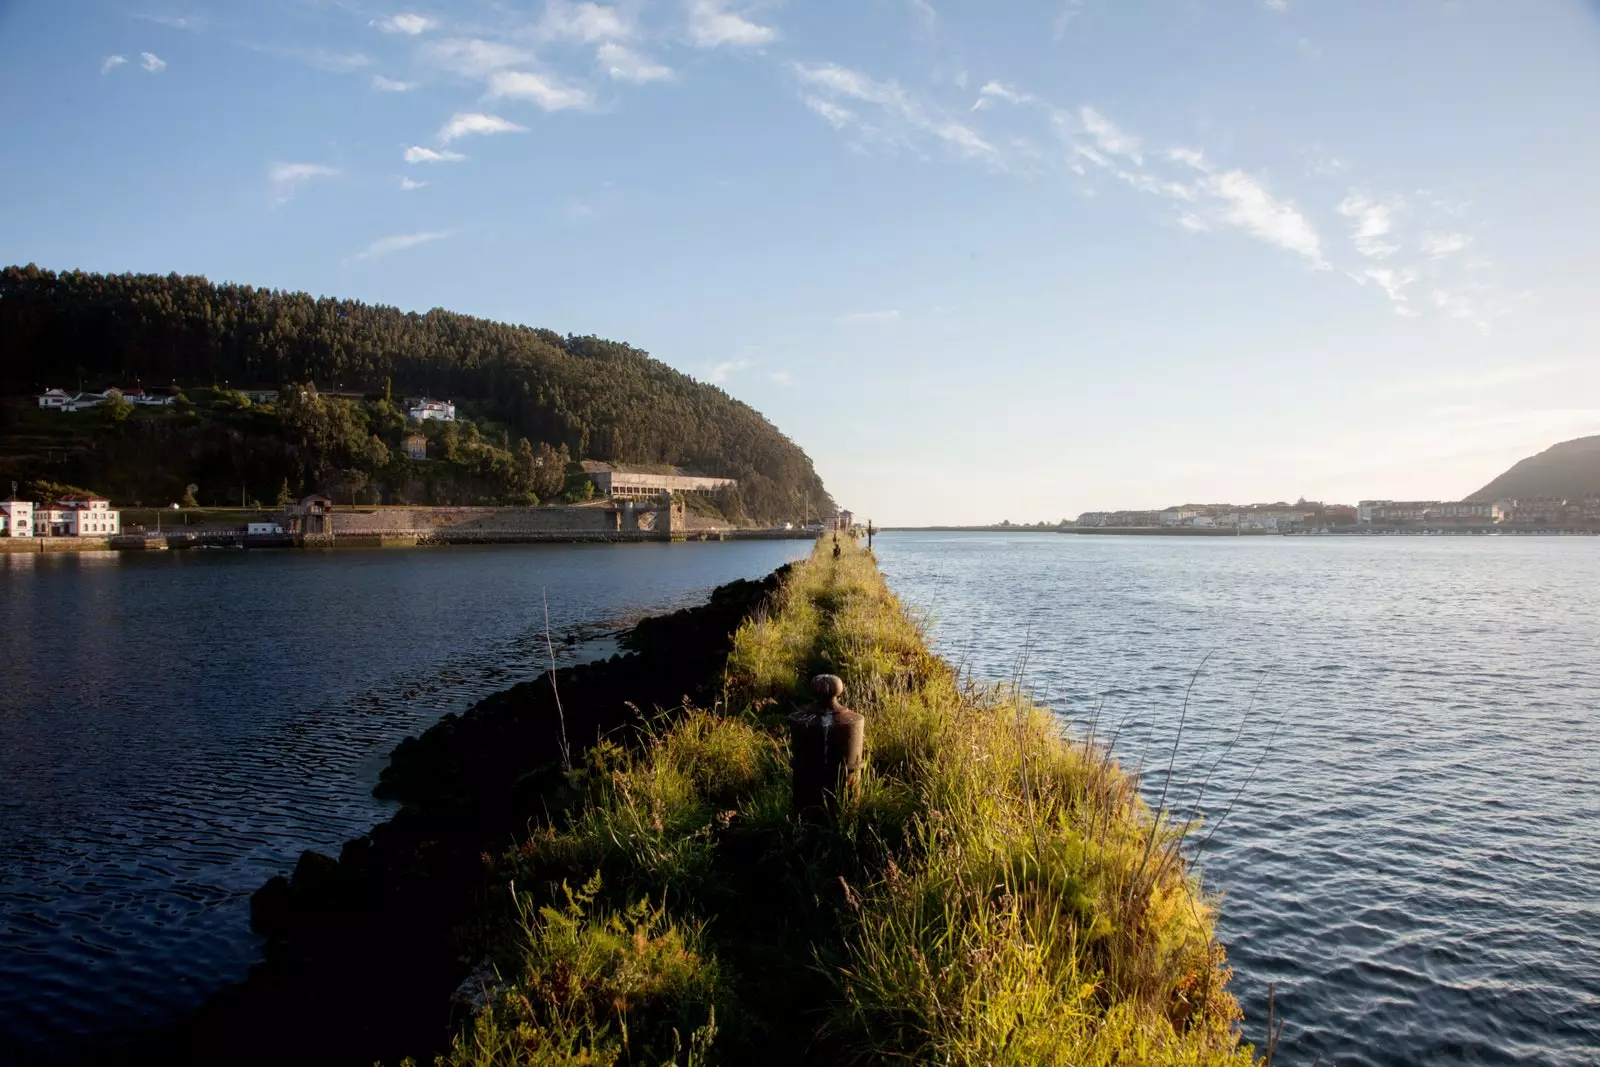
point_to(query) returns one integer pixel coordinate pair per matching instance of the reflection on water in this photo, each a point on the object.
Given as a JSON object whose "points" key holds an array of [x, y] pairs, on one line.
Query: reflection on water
{"points": [[177, 727], [1416, 861]]}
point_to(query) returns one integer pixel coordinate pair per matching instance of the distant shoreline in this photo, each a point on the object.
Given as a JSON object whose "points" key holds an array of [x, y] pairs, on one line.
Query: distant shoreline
{"points": [[1190, 531]]}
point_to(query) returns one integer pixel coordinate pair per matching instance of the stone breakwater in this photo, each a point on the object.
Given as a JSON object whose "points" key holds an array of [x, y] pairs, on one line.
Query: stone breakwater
{"points": [[364, 951]]}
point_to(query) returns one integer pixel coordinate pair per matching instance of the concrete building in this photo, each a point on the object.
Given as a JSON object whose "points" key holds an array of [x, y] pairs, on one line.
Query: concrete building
{"points": [[416, 446], [844, 522], [1393, 512], [83, 516], [16, 518], [54, 398], [263, 529], [629, 485], [1462, 513], [421, 408], [313, 515]]}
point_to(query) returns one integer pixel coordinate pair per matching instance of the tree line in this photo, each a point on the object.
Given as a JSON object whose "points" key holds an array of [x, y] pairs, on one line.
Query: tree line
{"points": [[595, 398]]}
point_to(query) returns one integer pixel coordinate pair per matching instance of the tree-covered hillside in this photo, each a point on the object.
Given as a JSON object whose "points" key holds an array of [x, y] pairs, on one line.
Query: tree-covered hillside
{"points": [[599, 399], [1567, 471]]}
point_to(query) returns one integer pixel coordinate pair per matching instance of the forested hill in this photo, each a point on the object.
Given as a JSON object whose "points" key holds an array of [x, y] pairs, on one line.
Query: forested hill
{"points": [[601, 399], [1567, 471]]}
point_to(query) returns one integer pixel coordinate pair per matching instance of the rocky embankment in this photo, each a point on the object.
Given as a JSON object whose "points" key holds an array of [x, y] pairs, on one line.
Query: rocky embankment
{"points": [[364, 951]]}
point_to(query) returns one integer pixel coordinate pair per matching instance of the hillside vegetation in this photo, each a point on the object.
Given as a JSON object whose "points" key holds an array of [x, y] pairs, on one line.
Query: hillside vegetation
{"points": [[596, 399], [1567, 471], [991, 894]]}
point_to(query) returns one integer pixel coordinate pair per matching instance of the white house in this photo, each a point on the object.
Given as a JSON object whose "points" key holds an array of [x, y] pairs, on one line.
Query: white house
{"points": [[16, 518], [54, 398], [83, 516], [422, 408], [262, 529]]}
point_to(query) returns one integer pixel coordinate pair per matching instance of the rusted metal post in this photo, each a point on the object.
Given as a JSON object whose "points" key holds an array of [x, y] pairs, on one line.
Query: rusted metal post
{"points": [[825, 745]]}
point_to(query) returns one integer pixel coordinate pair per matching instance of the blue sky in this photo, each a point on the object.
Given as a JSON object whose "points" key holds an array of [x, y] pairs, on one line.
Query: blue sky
{"points": [[982, 260]]}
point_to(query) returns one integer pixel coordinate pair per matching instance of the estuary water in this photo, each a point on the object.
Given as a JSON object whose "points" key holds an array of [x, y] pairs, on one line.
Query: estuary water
{"points": [[176, 727], [1395, 741]]}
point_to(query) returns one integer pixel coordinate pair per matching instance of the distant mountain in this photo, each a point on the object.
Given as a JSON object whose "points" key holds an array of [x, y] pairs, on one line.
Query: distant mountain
{"points": [[1569, 470]]}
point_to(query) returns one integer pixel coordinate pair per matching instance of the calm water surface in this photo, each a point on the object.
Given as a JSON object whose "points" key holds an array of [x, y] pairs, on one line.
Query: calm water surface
{"points": [[176, 727], [1415, 863]]}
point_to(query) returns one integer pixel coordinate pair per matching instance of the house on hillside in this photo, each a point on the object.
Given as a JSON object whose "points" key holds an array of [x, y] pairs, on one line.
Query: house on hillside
{"points": [[54, 398], [421, 408], [78, 516], [622, 483], [416, 446]]}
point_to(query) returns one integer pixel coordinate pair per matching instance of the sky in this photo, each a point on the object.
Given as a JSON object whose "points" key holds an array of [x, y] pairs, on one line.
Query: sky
{"points": [[981, 260]]}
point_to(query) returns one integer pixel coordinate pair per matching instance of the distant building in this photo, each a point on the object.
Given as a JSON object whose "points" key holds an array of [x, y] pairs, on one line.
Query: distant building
{"points": [[54, 398], [263, 529], [1393, 512], [844, 522], [422, 408], [628, 485], [82, 516], [16, 518], [416, 446], [310, 516]]}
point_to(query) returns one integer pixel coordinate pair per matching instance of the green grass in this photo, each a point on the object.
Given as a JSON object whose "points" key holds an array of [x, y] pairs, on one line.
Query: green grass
{"points": [[991, 893]]}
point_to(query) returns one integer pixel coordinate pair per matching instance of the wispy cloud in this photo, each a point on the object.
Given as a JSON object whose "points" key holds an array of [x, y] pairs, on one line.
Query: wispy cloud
{"points": [[994, 91], [408, 184], [712, 25], [287, 179], [189, 23], [624, 64], [1108, 136], [868, 318], [1276, 5], [585, 22], [111, 63], [541, 89], [333, 62], [727, 368], [152, 62], [900, 119], [1240, 200], [465, 124], [1394, 284], [1070, 10], [386, 246], [419, 154], [472, 57], [408, 24], [1373, 222], [389, 85], [1439, 245]]}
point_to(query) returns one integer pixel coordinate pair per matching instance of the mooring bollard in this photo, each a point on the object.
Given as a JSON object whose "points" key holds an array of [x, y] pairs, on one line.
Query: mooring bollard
{"points": [[825, 744]]}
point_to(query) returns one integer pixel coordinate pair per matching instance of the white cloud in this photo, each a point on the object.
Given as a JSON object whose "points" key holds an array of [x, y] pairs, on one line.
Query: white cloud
{"points": [[1247, 204], [463, 124], [400, 242], [1190, 156], [624, 64], [408, 184], [1276, 5], [111, 63], [191, 23], [834, 115], [1373, 222], [473, 57], [782, 377], [1070, 9], [287, 179], [996, 91], [1439, 245], [1193, 223], [407, 24], [418, 154], [868, 318], [542, 90], [727, 368], [903, 117], [585, 22], [711, 25], [1108, 136], [389, 85], [334, 62], [1394, 284], [152, 62]]}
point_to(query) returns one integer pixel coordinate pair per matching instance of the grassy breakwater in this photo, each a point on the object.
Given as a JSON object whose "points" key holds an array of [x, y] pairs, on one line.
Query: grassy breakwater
{"points": [[991, 894]]}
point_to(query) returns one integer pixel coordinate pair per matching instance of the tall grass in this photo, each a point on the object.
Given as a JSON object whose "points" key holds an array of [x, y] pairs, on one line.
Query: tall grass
{"points": [[990, 893]]}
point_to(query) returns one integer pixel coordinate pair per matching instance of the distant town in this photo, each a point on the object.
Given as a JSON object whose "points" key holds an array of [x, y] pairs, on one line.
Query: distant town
{"points": [[1311, 516]]}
